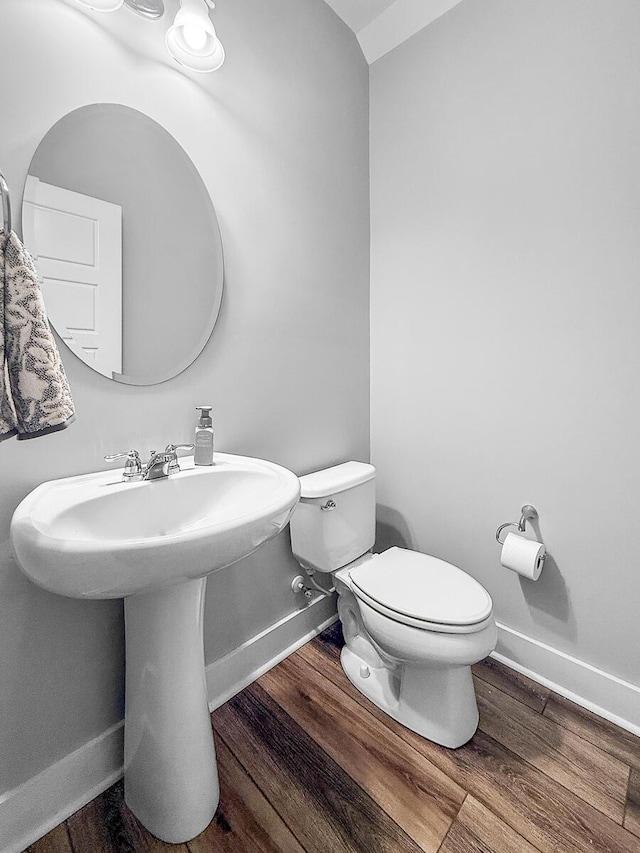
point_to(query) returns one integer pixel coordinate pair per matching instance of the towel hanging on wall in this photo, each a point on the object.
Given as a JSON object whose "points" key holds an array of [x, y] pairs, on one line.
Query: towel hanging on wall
{"points": [[8, 419], [34, 392]]}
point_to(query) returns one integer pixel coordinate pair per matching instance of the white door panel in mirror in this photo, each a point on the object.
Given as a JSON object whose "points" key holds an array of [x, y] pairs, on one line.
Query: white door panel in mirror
{"points": [[76, 241]]}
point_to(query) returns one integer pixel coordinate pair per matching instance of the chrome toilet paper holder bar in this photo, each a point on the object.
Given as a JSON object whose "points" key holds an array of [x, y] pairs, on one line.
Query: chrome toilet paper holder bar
{"points": [[528, 513]]}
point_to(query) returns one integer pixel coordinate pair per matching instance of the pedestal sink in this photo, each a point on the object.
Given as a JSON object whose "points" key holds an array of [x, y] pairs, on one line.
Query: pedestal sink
{"points": [[153, 543]]}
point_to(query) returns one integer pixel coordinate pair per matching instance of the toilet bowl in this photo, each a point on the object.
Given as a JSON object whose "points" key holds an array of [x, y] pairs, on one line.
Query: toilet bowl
{"points": [[413, 624]]}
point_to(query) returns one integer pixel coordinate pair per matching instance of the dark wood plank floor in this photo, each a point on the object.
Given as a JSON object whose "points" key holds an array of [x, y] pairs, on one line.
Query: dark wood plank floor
{"points": [[309, 764]]}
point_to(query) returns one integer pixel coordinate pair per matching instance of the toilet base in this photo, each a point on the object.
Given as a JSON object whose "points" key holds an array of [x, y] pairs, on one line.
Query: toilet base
{"points": [[438, 703]]}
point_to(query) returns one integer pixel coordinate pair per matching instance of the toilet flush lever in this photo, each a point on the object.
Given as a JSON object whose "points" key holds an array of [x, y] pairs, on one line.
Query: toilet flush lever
{"points": [[329, 505]]}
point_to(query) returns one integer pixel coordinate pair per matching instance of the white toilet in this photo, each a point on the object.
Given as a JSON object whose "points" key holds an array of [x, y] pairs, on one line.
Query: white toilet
{"points": [[413, 624]]}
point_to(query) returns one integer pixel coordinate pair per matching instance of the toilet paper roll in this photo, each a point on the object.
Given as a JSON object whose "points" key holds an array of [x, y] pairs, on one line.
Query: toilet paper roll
{"points": [[523, 556]]}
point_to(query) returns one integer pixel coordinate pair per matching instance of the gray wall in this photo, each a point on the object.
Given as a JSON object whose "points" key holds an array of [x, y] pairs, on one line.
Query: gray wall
{"points": [[279, 136], [505, 305]]}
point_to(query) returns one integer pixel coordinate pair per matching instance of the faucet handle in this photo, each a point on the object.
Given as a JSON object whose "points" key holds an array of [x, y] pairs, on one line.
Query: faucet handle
{"points": [[174, 465], [133, 465]]}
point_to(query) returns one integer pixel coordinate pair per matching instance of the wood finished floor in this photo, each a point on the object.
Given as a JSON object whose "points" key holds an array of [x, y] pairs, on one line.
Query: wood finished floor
{"points": [[309, 764]]}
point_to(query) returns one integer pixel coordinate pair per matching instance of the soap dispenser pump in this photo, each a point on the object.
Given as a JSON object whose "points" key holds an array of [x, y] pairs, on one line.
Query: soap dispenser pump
{"points": [[204, 437]]}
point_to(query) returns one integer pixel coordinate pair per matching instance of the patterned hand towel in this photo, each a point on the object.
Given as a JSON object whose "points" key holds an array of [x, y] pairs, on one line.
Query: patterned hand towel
{"points": [[8, 420], [37, 382]]}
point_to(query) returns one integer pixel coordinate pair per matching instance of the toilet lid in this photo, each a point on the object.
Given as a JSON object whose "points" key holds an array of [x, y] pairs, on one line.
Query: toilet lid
{"points": [[422, 587]]}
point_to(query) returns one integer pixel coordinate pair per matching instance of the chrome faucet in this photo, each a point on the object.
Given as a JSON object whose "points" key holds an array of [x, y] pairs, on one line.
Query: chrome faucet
{"points": [[132, 467], [157, 467], [164, 462], [160, 465]]}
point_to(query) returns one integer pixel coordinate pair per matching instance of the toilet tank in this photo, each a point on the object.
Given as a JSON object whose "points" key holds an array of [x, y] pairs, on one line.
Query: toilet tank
{"points": [[325, 537]]}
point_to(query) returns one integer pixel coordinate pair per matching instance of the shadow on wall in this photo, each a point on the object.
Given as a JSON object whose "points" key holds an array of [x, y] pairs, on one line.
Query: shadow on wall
{"points": [[548, 598], [391, 530]]}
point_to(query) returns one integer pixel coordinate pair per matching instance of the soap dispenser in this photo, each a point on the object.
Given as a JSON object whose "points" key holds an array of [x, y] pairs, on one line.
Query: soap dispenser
{"points": [[204, 437]]}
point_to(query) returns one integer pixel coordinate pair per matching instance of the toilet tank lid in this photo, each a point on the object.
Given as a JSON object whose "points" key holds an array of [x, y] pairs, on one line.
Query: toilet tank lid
{"points": [[339, 478]]}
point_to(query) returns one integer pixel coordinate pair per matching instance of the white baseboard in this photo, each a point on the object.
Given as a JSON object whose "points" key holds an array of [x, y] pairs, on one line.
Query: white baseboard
{"points": [[606, 695], [242, 666], [35, 807], [31, 810]]}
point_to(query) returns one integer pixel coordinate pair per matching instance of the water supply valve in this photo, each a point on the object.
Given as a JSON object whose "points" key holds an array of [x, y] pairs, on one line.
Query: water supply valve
{"points": [[298, 585]]}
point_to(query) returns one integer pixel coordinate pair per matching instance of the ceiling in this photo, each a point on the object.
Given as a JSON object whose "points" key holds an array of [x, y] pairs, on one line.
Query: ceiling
{"points": [[381, 25], [358, 13]]}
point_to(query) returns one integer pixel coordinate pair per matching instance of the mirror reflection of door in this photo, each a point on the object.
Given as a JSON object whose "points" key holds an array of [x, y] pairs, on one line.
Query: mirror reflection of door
{"points": [[76, 241]]}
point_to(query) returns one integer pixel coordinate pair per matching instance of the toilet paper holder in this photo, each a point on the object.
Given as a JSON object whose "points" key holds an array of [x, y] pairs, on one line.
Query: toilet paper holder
{"points": [[528, 513]]}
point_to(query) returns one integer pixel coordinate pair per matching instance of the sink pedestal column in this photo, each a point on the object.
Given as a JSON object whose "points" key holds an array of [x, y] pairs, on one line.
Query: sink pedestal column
{"points": [[170, 777]]}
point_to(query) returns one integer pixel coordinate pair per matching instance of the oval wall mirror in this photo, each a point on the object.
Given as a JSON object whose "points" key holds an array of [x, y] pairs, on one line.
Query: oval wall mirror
{"points": [[126, 241]]}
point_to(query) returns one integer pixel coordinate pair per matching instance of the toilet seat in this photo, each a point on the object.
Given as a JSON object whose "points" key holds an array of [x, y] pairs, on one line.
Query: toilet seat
{"points": [[420, 590]]}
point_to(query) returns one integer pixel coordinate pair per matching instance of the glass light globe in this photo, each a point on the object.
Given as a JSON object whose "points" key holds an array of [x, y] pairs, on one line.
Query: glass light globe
{"points": [[194, 36], [192, 39]]}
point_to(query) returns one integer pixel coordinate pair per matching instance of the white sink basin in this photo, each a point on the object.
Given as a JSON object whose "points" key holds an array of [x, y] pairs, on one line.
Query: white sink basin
{"points": [[94, 536], [153, 543]]}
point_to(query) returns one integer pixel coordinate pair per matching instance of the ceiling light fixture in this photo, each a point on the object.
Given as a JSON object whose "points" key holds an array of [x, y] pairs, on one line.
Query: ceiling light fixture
{"points": [[151, 9], [192, 40]]}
